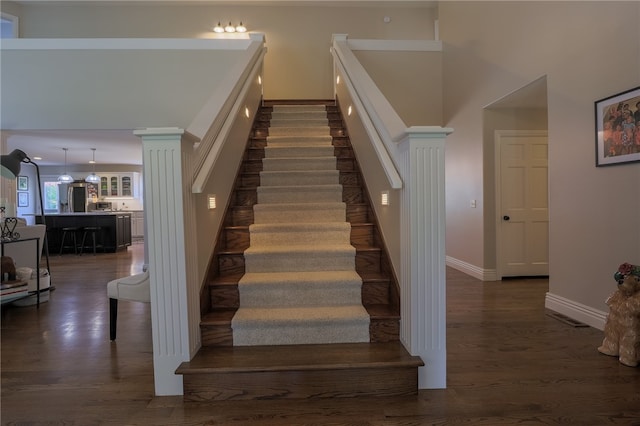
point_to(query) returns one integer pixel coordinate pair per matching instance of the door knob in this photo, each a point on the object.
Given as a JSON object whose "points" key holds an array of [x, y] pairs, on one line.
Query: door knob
{"points": [[505, 217]]}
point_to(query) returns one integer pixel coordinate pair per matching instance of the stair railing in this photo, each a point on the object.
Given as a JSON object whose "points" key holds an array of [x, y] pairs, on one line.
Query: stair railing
{"points": [[377, 128], [225, 102], [413, 224]]}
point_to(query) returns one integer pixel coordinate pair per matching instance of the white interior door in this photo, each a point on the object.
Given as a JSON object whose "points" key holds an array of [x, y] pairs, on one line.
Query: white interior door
{"points": [[522, 203]]}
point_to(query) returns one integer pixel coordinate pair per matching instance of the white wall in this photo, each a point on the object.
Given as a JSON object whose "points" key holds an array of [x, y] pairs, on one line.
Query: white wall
{"points": [[298, 65], [588, 51]]}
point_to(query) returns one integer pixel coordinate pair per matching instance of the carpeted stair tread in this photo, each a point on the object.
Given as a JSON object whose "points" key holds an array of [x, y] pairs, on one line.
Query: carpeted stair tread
{"points": [[298, 150], [290, 289], [298, 131], [299, 212], [299, 108], [300, 284], [299, 194], [300, 233], [298, 140], [282, 326], [298, 115], [288, 258], [299, 122], [288, 315], [299, 177], [299, 163]]}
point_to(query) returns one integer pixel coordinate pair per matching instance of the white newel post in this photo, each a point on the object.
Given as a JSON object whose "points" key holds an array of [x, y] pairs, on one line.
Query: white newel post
{"points": [[423, 284], [168, 204]]}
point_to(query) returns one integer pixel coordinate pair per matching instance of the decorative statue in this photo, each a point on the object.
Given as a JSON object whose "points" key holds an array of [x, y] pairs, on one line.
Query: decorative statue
{"points": [[622, 328], [8, 269]]}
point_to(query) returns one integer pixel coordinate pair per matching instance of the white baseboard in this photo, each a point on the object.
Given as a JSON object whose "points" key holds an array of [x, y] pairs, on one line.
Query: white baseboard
{"points": [[576, 311], [474, 271]]}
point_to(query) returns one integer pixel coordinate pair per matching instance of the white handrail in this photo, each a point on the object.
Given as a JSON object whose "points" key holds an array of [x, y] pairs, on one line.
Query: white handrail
{"points": [[376, 130], [226, 102]]}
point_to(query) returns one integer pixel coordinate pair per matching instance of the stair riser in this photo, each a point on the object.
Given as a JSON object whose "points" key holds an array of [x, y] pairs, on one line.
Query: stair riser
{"points": [[245, 197], [293, 152], [242, 216], [352, 195], [293, 115], [384, 330], [299, 238], [217, 335], [299, 163], [290, 262], [372, 293], [299, 131], [380, 331], [349, 179], [298, 295], [368, 261], [268, 195], [234, 263], [298, 123], [231, 263], [300, 178], [225, 297], [249, 180], [301, 216], [301, 384], [375, 293], [362, 235], [301, 333]]}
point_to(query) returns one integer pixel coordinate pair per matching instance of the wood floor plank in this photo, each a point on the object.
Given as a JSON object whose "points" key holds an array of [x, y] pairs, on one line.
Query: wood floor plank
{"points": [[508, 363]]}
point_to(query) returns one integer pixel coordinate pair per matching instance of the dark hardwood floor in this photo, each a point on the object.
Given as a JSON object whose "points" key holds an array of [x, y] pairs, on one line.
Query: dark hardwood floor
{"points": [[508, 363]]}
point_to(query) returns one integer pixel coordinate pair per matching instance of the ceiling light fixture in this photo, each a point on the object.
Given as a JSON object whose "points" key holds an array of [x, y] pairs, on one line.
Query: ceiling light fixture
{"points": [[218, 28], [230, 28], [65, 178], [92, 178]]}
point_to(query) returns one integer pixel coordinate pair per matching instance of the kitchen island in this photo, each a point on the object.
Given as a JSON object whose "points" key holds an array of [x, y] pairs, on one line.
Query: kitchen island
{"points": [[114, 231]]}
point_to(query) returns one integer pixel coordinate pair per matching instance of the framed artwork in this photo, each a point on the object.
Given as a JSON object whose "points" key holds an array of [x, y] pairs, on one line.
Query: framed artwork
{"points": [[618, 128], [23, 183], [23, 199]]}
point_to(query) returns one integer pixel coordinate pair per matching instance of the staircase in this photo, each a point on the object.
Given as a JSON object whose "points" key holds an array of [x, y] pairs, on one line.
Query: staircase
{"points": [[278, 233]]}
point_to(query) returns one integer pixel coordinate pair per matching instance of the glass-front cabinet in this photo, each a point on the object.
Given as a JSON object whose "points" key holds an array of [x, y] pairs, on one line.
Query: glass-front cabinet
{"points": [[119, 185]]}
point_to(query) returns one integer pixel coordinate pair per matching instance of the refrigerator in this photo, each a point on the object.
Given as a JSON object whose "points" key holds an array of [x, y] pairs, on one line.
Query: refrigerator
{"points": [[80, 194]]}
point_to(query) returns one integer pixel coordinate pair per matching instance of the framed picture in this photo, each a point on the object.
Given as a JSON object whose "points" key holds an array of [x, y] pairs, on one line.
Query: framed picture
{"points": [[23, 183], [23, 199], [618, 128]]}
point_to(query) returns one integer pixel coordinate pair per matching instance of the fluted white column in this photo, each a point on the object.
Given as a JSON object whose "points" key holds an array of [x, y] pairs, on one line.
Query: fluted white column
{"points": [[169, 217], [423, 281]]}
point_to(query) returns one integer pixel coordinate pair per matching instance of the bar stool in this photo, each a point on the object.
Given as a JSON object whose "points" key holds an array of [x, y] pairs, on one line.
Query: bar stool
{"points": [[89, 230], [71, 231]]}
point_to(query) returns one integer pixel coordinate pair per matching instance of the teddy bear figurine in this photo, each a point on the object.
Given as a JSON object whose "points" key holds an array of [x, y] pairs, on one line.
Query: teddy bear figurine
{"points": [[622, 328]]}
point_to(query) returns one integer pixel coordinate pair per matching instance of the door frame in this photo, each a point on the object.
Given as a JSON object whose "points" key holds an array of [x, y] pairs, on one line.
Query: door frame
{"points": [[498, 134]]}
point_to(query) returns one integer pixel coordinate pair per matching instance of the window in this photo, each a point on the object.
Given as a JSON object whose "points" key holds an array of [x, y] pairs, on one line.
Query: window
{"points": [[51, 197], [8, 26]]}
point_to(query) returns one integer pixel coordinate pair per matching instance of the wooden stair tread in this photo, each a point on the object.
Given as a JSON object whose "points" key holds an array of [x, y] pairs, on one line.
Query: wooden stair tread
{"points": [[217, 317], [381, 312], [236, 359]]}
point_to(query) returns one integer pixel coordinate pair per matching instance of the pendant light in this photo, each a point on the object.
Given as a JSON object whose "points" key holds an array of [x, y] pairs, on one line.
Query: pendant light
{"points": [[92, 178], [65, 178]]}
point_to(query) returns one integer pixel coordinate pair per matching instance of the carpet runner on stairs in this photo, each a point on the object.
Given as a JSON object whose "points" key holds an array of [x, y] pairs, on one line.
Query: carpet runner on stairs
{"points": [[300, 285]]}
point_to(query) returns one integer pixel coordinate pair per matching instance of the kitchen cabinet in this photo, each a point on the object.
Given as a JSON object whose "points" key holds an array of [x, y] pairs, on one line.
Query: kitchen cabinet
{"points": [[121, 185], [115, 232], [137, 224], [123, 231]]}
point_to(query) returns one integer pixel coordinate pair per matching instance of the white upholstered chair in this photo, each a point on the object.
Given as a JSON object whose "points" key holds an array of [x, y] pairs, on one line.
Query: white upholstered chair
{"points": [[135, 288]]}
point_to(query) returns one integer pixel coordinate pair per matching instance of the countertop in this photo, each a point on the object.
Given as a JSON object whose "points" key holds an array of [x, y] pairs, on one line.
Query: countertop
{"points": [[96, 213]]}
